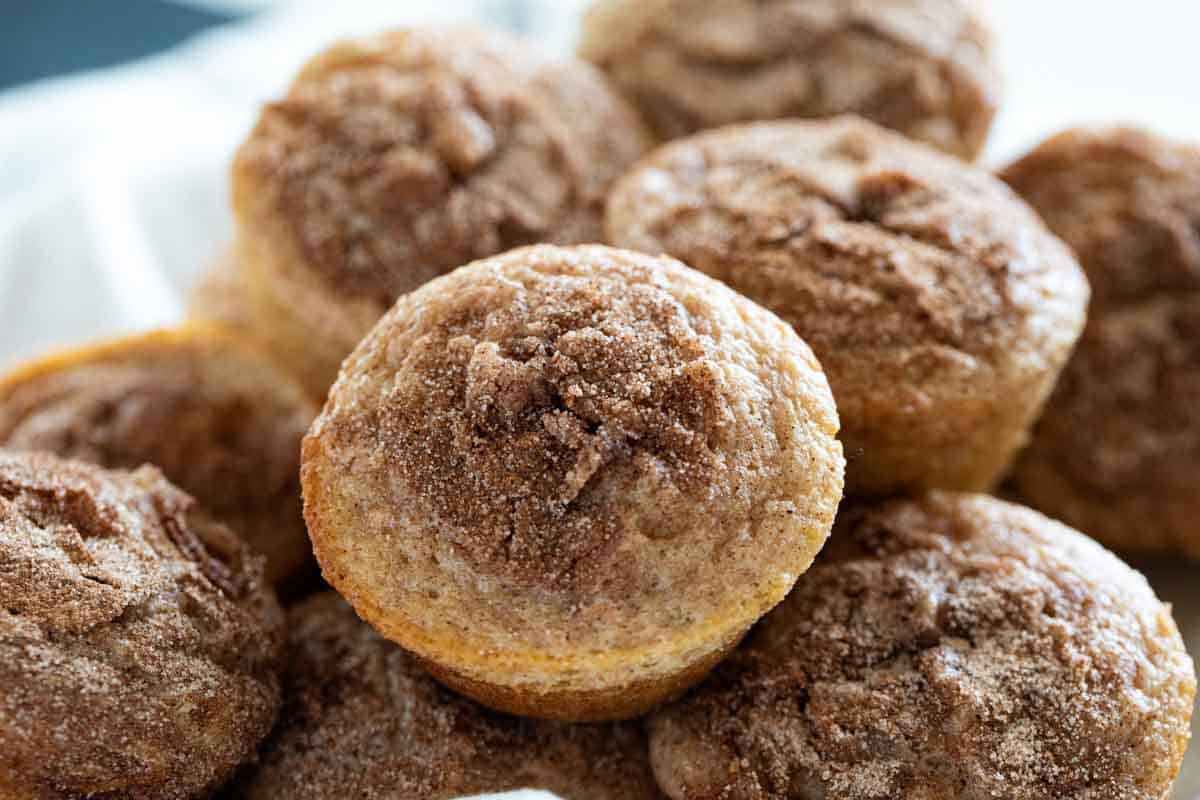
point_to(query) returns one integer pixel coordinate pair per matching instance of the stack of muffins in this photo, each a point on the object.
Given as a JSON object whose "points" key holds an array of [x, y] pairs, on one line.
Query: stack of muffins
{"points": [[638, 468]]}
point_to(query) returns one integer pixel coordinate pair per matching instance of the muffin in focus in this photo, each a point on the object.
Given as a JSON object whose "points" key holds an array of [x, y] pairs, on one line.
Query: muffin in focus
{"points": [[218, 419], [139, 643], [570, 479], [940, 307], [945, 646], [921, 67], [397, 158]]}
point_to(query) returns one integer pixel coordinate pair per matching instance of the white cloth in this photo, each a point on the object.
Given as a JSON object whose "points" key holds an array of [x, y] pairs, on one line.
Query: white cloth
{"points": [[113, 185]]}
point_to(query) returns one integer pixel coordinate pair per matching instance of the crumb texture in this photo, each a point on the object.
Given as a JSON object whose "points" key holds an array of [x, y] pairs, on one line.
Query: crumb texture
{"points": [[923, 285], [219, 421], [948, 647], [571, 435], [921, 67], [395, 159], [362, 719], [138, 643]]}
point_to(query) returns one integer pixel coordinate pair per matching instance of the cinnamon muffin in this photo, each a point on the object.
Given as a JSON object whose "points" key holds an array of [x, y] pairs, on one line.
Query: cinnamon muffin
{"points": [[218, 419], [397, 158], [921, 67], [138, 642], [1127, 202], [938, 304], [362, 719], [569, 479], [950, 646], [1118, 450]]}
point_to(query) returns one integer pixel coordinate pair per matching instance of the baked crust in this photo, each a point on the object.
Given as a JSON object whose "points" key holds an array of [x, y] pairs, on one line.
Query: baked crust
{"points": [[1117, 451], [362, 719], [138, 641], [941, 309], [219, 419], [921, 67], [395, 159], [570, 478], [944, 647]]}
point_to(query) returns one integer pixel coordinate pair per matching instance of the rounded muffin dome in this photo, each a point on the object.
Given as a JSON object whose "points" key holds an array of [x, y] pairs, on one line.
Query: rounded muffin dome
{"points": [[397, 158], [570, 478], [938, 304], [945, 646]]}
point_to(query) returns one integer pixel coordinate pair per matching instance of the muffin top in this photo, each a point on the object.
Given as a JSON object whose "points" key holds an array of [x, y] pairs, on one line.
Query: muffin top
{"points": [[1127, 202], [947, 646], [935, 299], [361, 718], [397, 158], [138, 640], [548, 443], [865, 242], [219, 420], [922, 67]]}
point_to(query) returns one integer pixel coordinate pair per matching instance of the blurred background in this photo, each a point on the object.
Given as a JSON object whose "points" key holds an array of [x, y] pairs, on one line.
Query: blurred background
{"points": [[118, 119]]}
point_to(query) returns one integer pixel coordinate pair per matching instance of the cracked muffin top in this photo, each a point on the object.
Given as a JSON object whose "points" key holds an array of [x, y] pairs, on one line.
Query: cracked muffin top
{"points": [[138, 640], [537, 450], [362, 718], [943, 647], [921, 67]]}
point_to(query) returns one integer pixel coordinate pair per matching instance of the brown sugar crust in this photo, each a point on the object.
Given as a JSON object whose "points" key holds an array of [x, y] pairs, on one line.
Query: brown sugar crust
{"points": [[362, 719], [395, 159], [219, 420], [138, 641], [1127, 202], [939, 306], [952, 646], [921, 67], [1117, 452], [525, 459]]}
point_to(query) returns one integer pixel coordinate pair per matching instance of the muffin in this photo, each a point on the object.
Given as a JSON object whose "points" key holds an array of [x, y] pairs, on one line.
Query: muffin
{"points": [[1117, 452], [570, 479], [362, 719], [139, 644], [398, 158], [921, 67], [946, 646], [218, 419], [1126, 201], [939, 306]]}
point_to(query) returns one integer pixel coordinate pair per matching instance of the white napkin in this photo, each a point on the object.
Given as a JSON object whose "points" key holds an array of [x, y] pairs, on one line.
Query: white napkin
{"points": [[113, 187]]}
